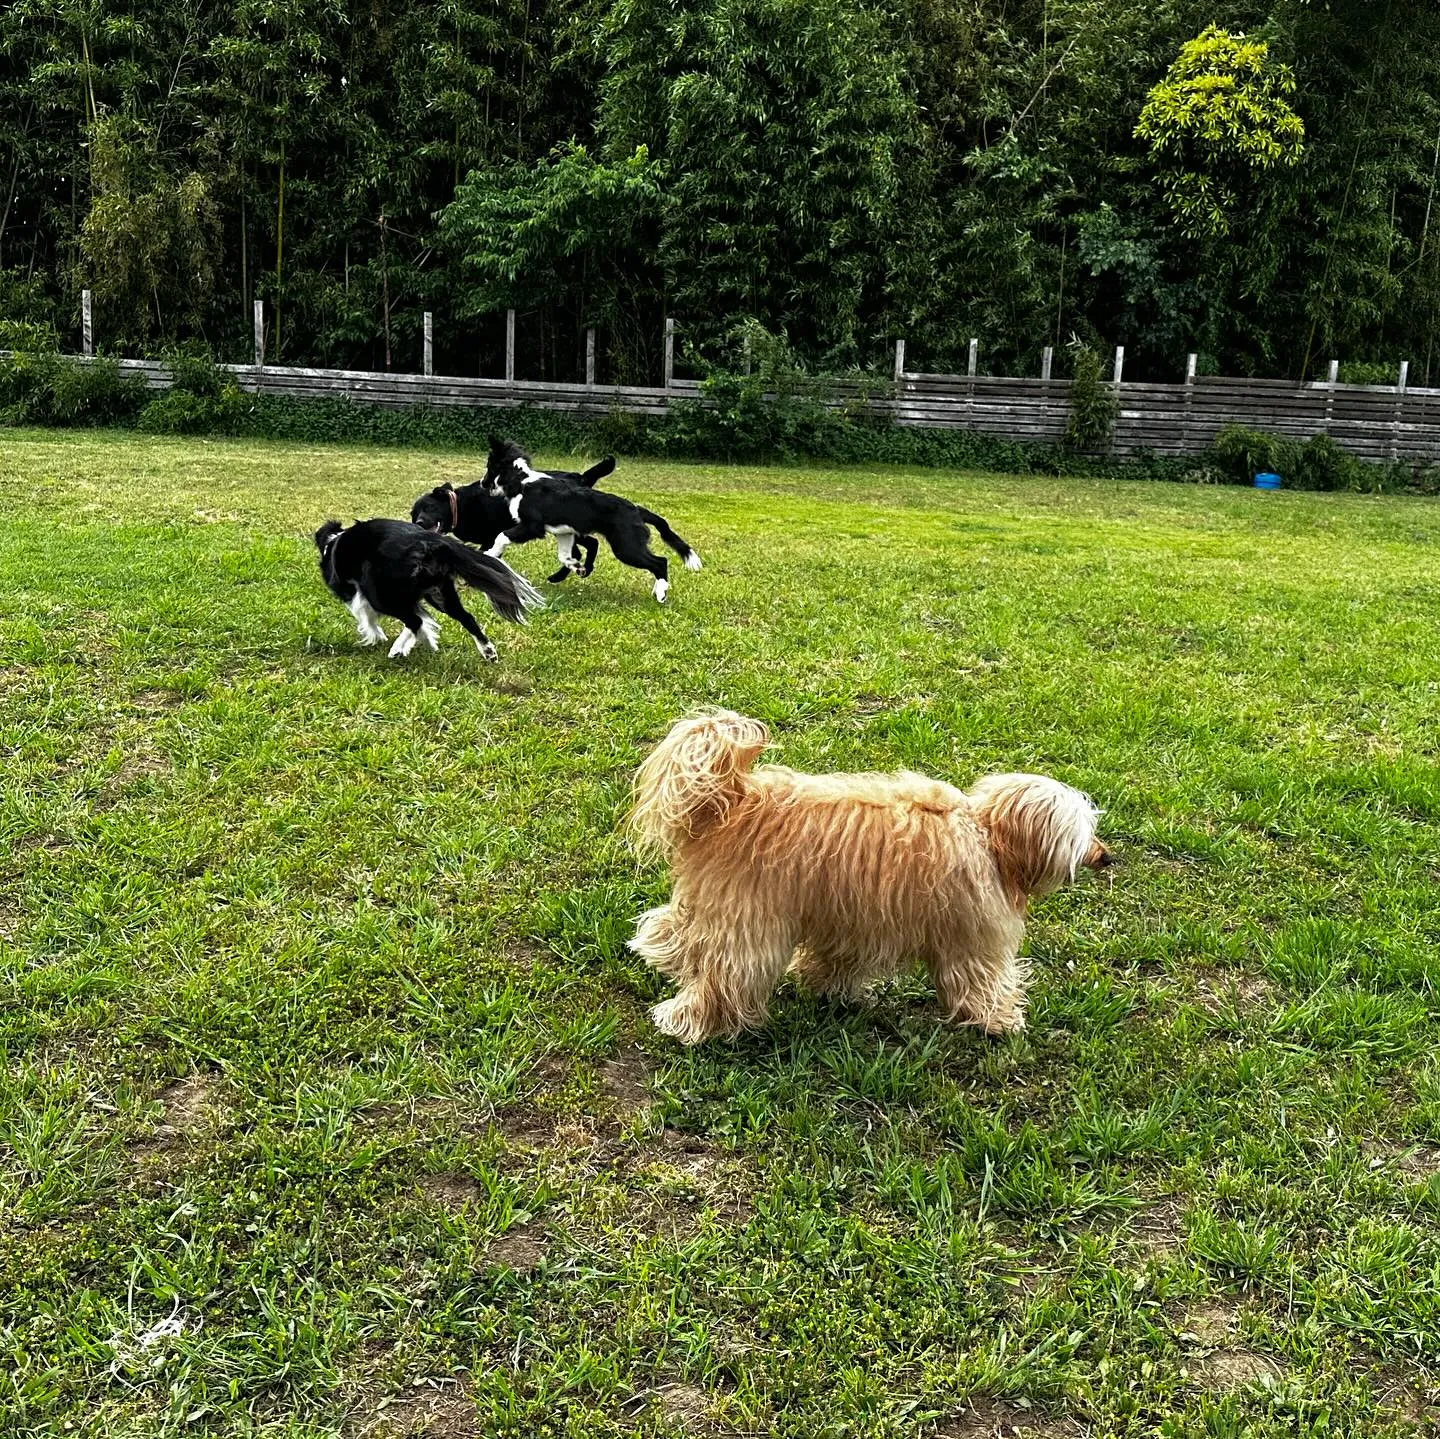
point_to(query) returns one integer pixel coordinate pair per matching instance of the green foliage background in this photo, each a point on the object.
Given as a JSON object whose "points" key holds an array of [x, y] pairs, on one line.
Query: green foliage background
{"points": [[1253, 179]]}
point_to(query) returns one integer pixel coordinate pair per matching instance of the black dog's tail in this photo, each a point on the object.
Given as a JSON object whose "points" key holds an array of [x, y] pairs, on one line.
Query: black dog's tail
{"points": [[662, 528], [510, 594], [597, 471]]}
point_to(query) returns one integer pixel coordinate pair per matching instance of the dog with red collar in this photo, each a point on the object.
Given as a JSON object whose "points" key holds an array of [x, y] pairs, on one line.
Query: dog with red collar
{"points": [[471, 513]]}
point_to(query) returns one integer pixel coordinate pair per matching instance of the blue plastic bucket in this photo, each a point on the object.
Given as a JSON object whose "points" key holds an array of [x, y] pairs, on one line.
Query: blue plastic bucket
{"points": [[1267, 481]]}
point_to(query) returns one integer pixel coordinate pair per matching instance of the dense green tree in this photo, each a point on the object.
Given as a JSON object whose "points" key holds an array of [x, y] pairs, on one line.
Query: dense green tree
{"points": [[1255, 179], [573, 235]]}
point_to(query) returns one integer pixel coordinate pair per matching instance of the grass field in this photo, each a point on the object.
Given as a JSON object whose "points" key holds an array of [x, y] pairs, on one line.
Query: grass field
{"points": [[330, 1105]]}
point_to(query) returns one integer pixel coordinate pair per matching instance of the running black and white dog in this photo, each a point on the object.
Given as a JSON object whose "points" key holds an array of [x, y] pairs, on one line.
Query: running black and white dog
{"points": [[540, 504], [386, 567], [474, 515]]}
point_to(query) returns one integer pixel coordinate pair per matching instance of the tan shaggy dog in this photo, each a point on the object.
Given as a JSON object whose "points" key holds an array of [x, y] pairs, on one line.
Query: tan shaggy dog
{"points": [[842, 879]]}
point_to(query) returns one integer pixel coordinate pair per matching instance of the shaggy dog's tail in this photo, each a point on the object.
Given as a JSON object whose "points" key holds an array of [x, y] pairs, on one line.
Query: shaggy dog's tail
{"points": [[693, 778], [509, 594]]}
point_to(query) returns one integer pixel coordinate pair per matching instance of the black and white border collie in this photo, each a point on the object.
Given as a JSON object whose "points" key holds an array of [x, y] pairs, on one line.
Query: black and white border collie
{"points": [[386, 567], [540, 504], [474, 515]]}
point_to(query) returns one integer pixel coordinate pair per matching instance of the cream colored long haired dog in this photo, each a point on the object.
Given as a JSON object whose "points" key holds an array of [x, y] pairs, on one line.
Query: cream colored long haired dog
{"points": [[841, 878]]}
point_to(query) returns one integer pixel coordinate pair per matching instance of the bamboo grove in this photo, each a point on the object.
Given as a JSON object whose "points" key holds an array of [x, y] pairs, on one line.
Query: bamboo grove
{"points": [[1253, 181]]}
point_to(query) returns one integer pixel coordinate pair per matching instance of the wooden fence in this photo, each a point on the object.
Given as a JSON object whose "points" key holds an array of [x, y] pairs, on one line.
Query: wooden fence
{"points": [[1373, 422]]}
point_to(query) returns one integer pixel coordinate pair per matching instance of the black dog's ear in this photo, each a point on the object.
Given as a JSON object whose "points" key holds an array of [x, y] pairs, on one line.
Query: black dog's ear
{"points": [[445, 489]]}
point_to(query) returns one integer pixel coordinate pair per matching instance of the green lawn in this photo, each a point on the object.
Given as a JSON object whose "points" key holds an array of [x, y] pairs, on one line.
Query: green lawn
{"points": [[330, 1104]]}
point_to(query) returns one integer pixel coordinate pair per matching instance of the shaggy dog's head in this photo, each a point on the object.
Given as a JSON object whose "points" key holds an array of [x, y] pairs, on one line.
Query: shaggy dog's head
{"points": [[435, 510], [1041, 831]]}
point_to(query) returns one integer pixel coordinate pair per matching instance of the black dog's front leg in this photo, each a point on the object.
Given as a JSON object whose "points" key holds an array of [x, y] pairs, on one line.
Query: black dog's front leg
{"points": [[519, 534]]}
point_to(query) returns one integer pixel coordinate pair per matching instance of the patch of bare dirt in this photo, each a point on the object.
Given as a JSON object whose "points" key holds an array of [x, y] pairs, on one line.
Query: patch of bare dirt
{"points": [[520, 1248], [685, 1404], [531, 1131], [1399, 1394], [671, 1217], [1158, 1230], [625, 1081], [156, 701], [525, 1127], [1415, 1161], [1028, 1283], [986, 1418], [1407, 1401], [1232, 992], [1227, 1371], [1208, 1323], [1179, 864], [435, 1409], [392, 1115], [450, 1191], [137, 765], [140, 764], [185, 1105], [714, 1179]]}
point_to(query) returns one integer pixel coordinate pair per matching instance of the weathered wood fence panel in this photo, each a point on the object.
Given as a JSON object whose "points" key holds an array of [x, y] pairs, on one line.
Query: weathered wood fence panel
{"points": [[1374, 422]]}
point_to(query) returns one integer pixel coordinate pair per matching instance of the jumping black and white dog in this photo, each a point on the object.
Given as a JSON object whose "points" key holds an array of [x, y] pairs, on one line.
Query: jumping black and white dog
{"points": [[474, 515], [540, 504], [386, 567]]}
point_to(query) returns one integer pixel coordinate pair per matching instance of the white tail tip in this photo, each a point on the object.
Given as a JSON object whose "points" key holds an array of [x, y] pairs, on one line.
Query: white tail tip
{"points": [[692, 561]]}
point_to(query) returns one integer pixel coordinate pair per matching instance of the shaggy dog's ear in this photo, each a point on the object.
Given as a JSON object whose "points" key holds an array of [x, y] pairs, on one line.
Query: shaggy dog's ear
{"points": [[1040, 831]]}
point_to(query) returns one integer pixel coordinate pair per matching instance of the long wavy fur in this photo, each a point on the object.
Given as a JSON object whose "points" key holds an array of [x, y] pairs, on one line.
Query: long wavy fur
{"points": [[842, 879], [693, 778]]}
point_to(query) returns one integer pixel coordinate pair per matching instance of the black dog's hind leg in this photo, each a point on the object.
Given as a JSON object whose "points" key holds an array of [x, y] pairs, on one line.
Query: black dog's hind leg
{"points": [[632, 547], [416, 623], [448, 598], [565, 552], [569, 565], [367, 620]]}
